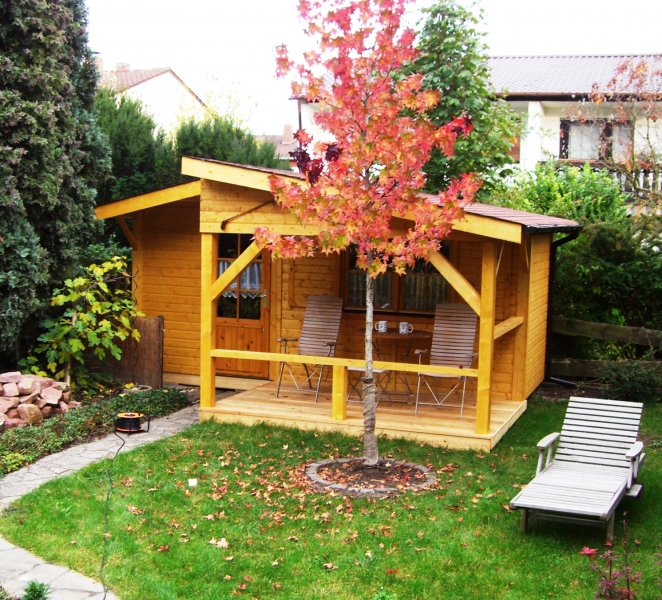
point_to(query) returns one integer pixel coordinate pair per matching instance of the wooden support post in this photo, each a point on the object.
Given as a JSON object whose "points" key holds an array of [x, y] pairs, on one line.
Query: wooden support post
{"points": [[522, 310], [209, 256], [137, 259], [339, 393], [486, 337]]}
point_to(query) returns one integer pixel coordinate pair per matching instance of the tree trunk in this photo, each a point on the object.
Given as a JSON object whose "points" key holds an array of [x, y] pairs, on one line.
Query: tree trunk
{"points": [[370, 452]]}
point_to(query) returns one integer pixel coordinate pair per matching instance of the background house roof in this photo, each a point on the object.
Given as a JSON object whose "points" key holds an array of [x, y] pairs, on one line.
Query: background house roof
{"points": [[556, 75], [124, 78]]}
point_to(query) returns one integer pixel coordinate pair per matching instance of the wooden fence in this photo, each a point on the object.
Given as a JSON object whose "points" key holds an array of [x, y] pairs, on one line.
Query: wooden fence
{"points": [[142, 362], [599, 331]]}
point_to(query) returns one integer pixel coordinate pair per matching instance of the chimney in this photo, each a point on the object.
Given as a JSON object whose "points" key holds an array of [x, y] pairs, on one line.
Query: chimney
{"points": [[288, 134], [121, 67]]}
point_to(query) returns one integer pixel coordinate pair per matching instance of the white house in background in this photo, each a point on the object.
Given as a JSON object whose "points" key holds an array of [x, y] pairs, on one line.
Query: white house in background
{"points": [[546, 91], [163, 94]]}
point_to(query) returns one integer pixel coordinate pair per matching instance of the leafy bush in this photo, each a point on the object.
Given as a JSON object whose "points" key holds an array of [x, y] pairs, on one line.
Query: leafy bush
{"points": [[632, 380], [98, 310], [36, 591], [23, 445]]}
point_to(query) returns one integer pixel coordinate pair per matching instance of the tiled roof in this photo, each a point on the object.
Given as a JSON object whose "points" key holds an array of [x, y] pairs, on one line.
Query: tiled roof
{"points": [[282, 150], [123, 79], [557, 75]]}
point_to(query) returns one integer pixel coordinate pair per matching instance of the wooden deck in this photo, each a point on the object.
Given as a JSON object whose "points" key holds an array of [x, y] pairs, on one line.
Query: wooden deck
{"points": [[439, 426]]}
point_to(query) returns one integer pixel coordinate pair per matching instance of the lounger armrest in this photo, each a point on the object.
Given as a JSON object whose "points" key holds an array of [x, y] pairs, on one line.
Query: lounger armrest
{"points": [[634, 451], [636, 458], [546, 443], [548, 440]]}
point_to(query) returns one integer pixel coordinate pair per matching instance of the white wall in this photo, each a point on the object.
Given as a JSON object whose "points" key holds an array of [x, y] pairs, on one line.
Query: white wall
{"points": [[167, 100]]}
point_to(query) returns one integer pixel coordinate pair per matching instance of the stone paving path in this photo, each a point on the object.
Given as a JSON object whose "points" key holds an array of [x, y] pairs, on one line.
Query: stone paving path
{"points": [[17, 566]]}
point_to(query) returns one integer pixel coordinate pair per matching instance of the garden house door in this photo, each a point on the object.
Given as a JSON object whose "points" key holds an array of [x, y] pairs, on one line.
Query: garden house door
{"points": [[243, 309]]}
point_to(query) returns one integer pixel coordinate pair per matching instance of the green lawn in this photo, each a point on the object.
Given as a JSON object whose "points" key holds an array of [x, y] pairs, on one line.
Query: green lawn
{"points": [[455, 542]]}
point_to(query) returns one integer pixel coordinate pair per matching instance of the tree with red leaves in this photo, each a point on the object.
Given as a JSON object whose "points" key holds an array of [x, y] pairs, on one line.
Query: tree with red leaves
{"points": [[374, 170]]}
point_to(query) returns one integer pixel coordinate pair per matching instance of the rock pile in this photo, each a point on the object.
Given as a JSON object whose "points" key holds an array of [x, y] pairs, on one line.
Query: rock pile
{"points": [[29, 399]]}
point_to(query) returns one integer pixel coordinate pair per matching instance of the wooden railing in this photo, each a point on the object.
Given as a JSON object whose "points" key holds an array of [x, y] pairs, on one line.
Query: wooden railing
{"points": [[340, 366]]}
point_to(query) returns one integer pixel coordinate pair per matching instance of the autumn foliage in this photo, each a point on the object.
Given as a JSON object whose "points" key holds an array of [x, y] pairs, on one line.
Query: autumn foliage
{"points": [[374, 169]]}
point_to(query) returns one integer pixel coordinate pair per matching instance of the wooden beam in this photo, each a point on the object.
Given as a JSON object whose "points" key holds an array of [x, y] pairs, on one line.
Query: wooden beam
{"points": [[608, 331], [137, 260], [128, 233], [149, 200], [522, 269], [241, 227], [486, 337], [235, 175], [508, 325], [209, 256], [339, 393], [456, 280], [332, 361], [485, 227], [234, 270]]}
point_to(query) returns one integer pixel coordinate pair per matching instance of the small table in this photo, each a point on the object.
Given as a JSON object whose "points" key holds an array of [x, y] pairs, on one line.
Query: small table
{"points": [[393, 333]]}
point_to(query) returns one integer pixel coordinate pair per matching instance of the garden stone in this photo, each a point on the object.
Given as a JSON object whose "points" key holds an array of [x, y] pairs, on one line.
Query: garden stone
{"points": [[40, 402], [7, 404], [25, 386], [31, 414], [73, 404], [28, 399], [9, 423], [60, 385], [12, 413], [10, 389], [47, 412], [64, 408], [51, 395], [11, 377], [66, 396]]}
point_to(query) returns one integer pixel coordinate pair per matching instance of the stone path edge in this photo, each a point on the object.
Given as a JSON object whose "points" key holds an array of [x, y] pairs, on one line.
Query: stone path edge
{"points": [[18, 566]]}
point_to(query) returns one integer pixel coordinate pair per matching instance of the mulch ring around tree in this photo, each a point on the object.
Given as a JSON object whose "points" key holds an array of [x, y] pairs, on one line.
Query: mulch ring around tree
{"points": [[350, 476]]}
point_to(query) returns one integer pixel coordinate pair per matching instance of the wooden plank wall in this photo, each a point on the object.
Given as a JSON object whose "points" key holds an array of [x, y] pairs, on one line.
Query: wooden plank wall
{"points": [[170, 281], [537, 314]]}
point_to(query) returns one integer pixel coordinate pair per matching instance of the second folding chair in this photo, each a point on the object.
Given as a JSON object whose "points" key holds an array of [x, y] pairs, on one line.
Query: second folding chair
{"points": [[319, 337]]}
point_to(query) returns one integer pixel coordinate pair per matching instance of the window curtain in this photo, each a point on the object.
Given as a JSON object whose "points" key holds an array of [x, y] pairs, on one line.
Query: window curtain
{"points": [[250, 279]]}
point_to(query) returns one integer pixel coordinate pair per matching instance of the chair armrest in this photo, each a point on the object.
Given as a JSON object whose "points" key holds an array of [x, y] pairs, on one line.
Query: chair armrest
{"points": [[636, 458], [421, 350], [634, 451], [548, 440], [333, 344], [546, 443], [288, 339]]}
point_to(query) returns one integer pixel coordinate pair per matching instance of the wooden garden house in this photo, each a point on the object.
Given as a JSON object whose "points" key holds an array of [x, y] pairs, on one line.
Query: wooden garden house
{"points": [[226, 304]]}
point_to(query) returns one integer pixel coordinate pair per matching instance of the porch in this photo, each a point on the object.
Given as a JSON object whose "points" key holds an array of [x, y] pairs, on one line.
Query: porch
{"points": [[439, 426]]}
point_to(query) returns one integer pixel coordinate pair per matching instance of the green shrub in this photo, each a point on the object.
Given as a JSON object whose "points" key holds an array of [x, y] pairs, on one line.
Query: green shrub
{"points": [[5, 595], [636, 381], [36, 591], [23, 445]]}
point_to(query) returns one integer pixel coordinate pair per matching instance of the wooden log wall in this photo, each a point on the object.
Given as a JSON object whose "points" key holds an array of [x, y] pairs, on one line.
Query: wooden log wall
{"points": [[169, 280], [537, 311]]}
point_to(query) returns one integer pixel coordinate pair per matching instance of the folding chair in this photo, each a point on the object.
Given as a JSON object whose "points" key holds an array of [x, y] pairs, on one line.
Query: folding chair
{"points": [[452, 346], [319, 336]]}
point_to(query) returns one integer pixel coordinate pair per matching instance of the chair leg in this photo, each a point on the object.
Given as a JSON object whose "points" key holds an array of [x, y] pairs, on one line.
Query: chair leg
{"points": [[464, 391], [418, 393], [319, 383], [280, 378], [524, 522]]}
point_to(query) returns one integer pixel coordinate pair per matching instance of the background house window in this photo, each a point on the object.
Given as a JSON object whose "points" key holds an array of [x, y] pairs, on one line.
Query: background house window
{"points": [[595, 140], [419, 290]]}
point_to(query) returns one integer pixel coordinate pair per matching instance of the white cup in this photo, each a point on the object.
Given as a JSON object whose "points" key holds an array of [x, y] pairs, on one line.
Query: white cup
{"points": [[405, 327], [381, 326]]}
